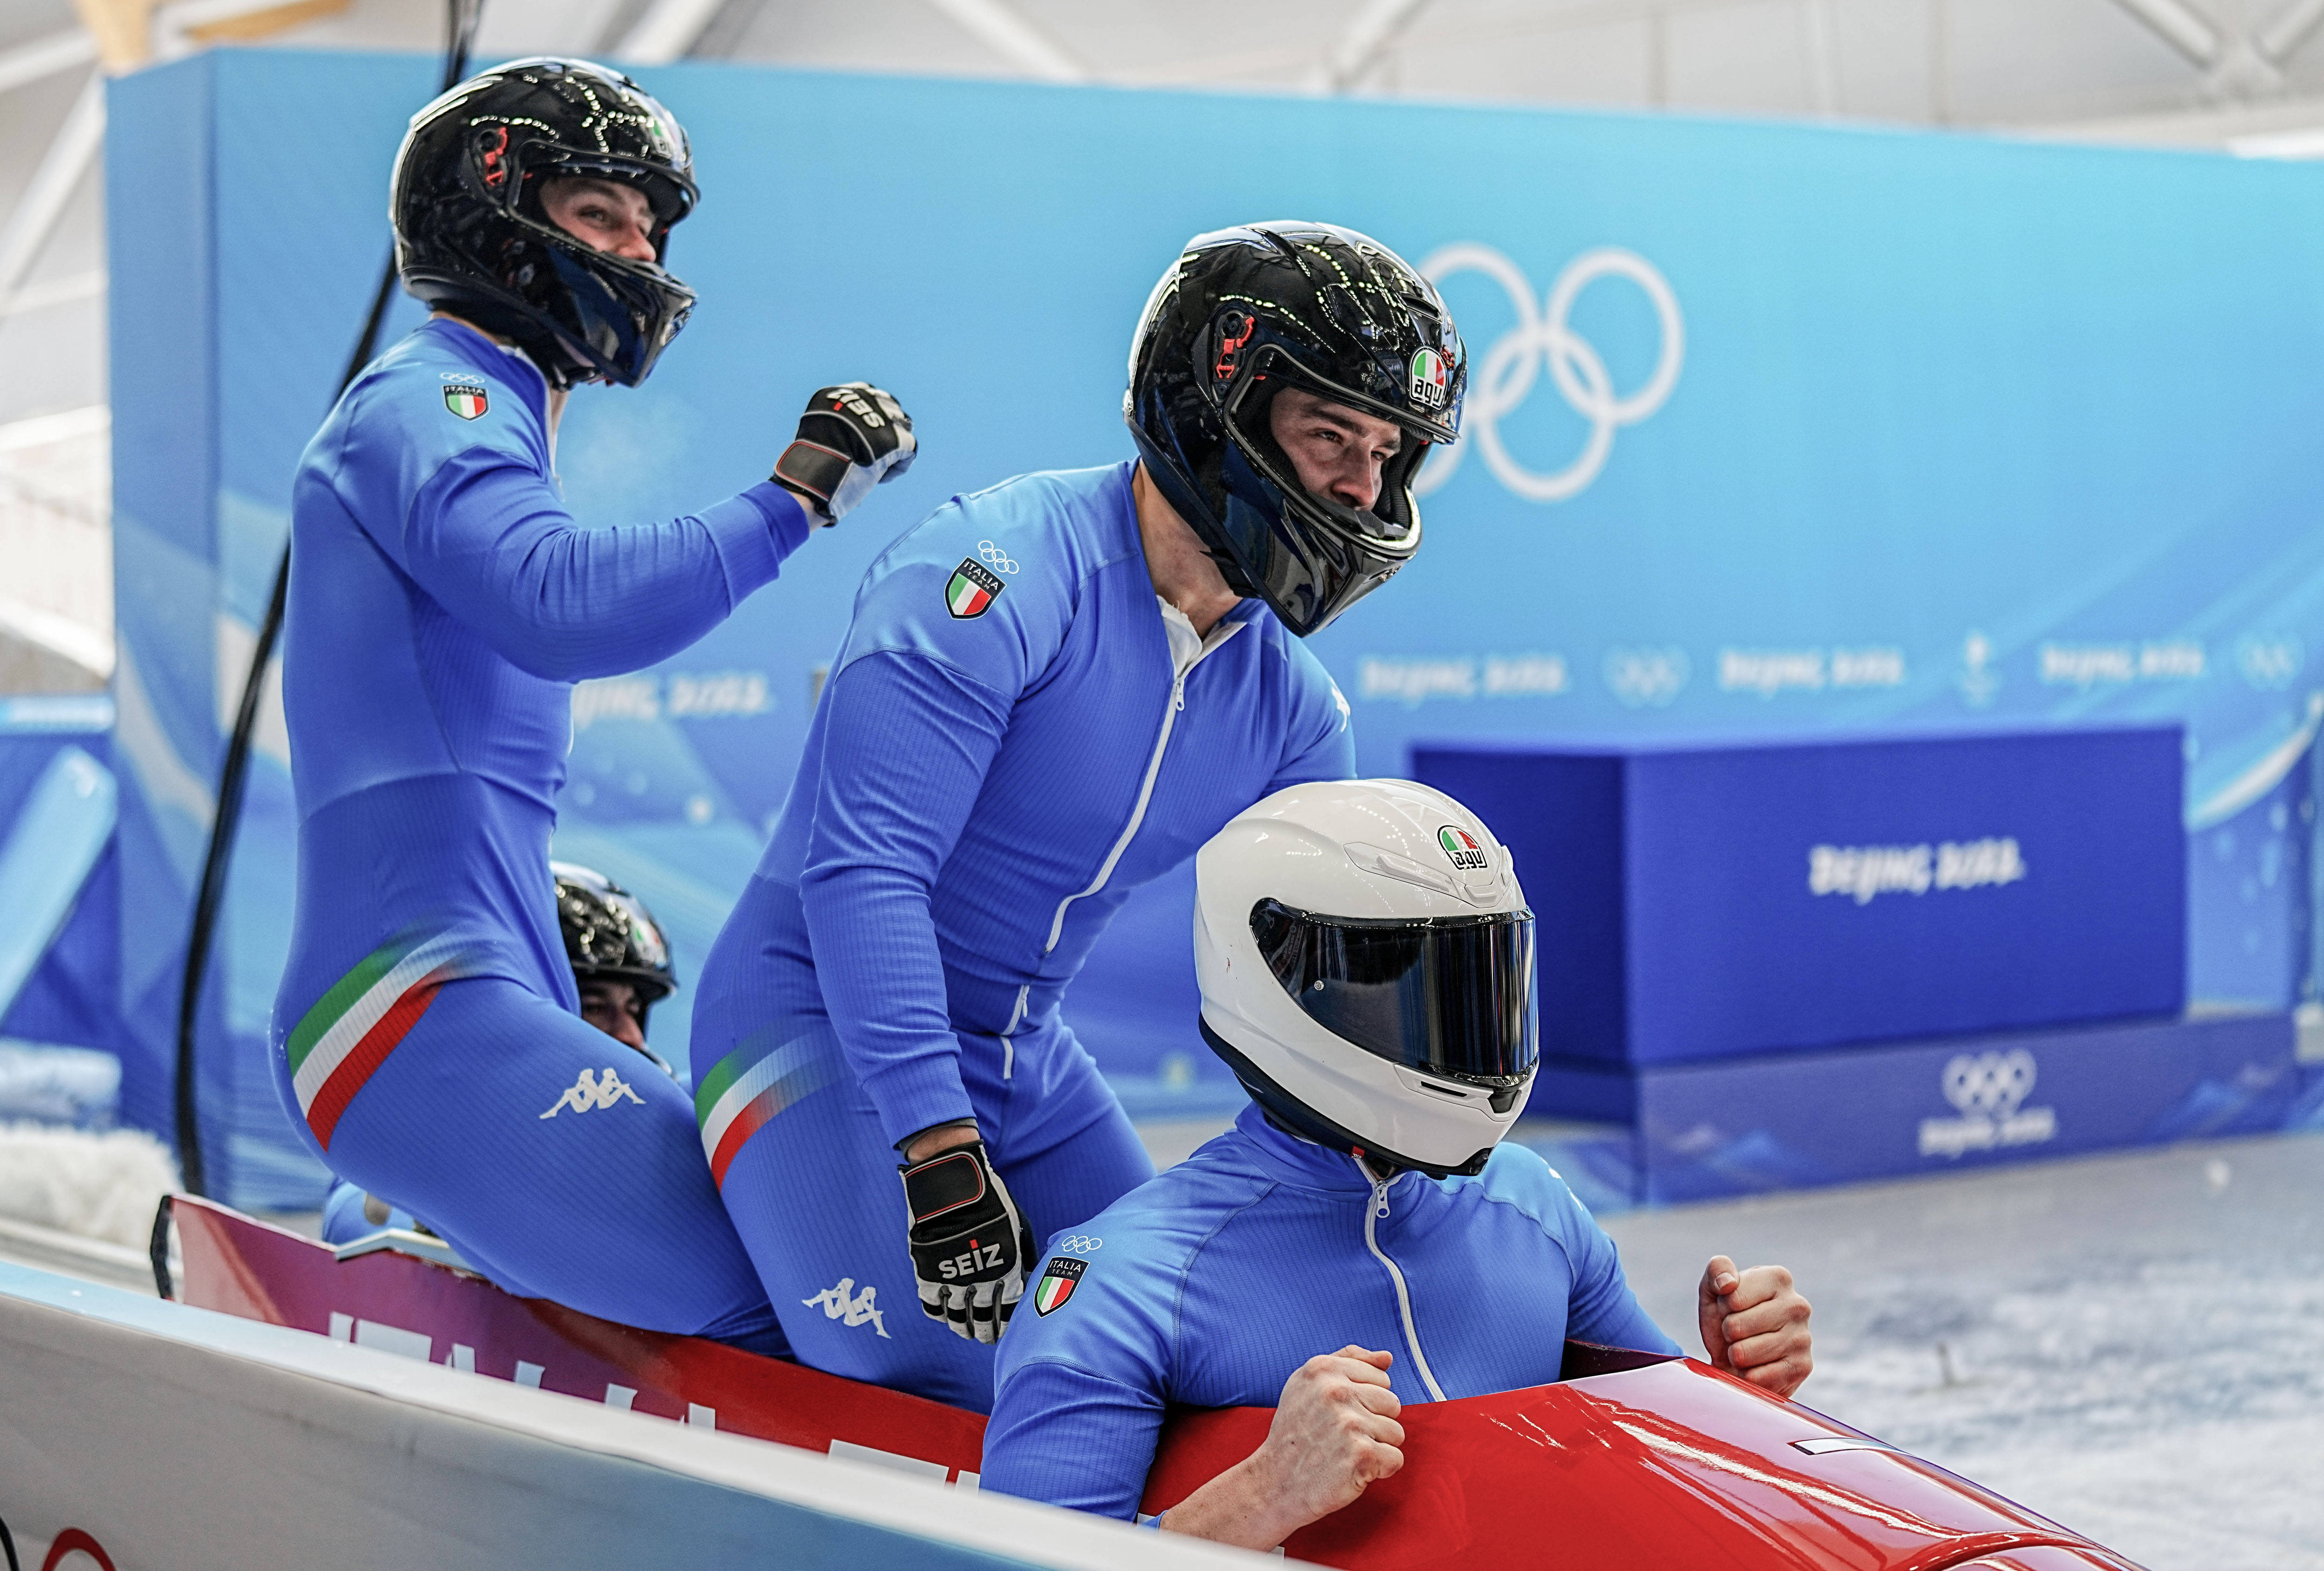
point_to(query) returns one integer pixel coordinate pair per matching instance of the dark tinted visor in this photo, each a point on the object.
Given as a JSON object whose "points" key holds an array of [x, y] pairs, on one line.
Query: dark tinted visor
{"points": [[1450, 996]]}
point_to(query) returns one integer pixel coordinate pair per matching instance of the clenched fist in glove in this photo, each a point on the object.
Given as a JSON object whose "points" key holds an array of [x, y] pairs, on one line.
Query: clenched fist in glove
{"points": [[851, 438], [971, 1247]]}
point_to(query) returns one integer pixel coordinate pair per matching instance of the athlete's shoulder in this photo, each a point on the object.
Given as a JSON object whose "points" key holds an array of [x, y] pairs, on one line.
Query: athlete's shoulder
{"points": [[1516, 1175], [1159, 1229], [1045, 531], [991, 582], [1186, 1200], [439, 396]]}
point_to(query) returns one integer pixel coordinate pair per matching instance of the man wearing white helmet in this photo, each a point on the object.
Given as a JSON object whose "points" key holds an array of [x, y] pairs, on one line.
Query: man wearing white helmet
{"points": [[1360, 1238]]}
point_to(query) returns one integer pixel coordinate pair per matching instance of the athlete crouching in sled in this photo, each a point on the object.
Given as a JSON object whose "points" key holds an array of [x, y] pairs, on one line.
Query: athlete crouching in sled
{"points": [[1366, 960], [442, 603], [1052, 691]]}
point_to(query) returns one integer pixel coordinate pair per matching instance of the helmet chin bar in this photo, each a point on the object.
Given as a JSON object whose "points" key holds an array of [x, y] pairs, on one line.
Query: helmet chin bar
{"points": [[560, 364], [1292, 1116]]}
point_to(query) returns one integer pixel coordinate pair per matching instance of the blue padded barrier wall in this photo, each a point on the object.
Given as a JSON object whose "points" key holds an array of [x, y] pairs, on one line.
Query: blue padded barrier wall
{"points": [[1699, 904], [61, 879], [1777, 432]]}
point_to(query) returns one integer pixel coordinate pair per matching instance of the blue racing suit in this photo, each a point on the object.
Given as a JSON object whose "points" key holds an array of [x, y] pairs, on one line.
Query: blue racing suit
{"points": [[344, 1221], [1015, 733], [1211, 1285], [428, 1041]]}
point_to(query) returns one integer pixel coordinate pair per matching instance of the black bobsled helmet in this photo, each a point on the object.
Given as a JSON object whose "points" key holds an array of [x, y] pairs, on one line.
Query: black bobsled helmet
{"points": [[471, 236], [1246, 312], [609, 934]]}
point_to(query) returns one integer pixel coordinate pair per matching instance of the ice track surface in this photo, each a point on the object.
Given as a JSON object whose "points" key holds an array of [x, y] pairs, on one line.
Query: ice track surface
{"points": [[2129, 1344]]}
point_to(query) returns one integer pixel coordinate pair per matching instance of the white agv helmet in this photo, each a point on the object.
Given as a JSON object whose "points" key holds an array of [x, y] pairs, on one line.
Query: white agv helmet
{"points": [[1366, 961]]}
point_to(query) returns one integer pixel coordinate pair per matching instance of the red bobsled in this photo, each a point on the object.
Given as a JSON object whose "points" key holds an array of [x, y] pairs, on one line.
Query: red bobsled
{"points": [[1631, 1460]]}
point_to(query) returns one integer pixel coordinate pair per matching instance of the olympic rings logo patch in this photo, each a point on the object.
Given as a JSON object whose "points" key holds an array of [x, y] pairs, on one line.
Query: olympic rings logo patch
{"points": [[1080, 1243], [1544, 336], [995, 558], [1991, 1084]]}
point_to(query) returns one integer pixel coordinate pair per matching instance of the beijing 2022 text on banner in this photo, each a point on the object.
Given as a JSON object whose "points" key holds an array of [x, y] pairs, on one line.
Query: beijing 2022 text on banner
{"points": [[1771, 430]]}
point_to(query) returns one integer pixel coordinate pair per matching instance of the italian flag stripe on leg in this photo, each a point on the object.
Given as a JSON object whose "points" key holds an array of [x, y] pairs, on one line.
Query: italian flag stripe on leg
{"points": [[749, 1087], [351, 1030]]}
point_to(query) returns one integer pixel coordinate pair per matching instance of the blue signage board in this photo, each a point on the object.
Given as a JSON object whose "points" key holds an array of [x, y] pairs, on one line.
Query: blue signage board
{"points": [[1705, 903], [1683, 1132]]}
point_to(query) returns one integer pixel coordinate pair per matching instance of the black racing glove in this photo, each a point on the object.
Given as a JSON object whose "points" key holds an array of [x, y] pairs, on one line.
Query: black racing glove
{"points": [[851, 438], [971, 1247]]}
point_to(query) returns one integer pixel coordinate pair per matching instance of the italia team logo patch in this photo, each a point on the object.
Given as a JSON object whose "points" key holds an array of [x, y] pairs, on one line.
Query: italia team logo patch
{"points": [[1461, 847], [464, 399], [974, 586], [1058, 1283], [1428, 379]]}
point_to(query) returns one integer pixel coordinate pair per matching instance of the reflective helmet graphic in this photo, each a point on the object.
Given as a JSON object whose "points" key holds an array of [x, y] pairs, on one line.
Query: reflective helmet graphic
{"points": [[1367, 966], [1241, 315], [609, 934], [471, 236]]}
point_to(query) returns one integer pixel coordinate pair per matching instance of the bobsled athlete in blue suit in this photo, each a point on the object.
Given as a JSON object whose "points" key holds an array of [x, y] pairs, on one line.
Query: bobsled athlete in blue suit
{"points": [[442, 603], [622, 967], [1360, 1239], [1051, 692]]}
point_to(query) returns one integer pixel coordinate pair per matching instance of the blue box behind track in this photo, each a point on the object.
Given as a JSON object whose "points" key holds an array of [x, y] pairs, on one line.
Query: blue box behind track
{"points": [[1701, 902]]}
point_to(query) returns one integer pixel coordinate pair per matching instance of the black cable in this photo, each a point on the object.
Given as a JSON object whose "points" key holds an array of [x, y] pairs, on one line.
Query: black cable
{"points": [[460, 31], [8, 1546], [157, 1250]]}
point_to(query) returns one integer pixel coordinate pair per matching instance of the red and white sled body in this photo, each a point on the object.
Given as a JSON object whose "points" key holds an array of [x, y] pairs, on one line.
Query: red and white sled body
{"points": [[1631, 1461]]}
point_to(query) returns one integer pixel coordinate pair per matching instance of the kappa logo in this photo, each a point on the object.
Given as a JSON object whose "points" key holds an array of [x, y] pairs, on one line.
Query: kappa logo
{"points": [[1057, 1284], [973, 588], [589, 1093], [1462, 848], [465, 399], [841, 1302]]}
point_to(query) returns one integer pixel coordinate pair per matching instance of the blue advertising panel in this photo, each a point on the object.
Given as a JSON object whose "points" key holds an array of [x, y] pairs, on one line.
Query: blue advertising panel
{"points": [[1711, 902], [1728, 1127], [1773, 431]]}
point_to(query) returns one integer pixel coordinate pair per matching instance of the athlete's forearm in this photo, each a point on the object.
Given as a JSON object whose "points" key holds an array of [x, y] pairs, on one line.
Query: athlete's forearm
{"points": [[906, 745], [1243, 1506], [494, 545]]}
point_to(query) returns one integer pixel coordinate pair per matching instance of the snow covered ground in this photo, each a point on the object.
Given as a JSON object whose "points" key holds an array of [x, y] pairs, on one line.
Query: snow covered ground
{"points": [[2131, 1344]]}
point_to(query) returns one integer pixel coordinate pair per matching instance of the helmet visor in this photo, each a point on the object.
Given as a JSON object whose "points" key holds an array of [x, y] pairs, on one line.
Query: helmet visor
{"points": [[1447, 996]]}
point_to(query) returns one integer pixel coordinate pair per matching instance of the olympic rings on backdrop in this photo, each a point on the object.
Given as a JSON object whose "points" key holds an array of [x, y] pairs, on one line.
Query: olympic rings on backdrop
{"points": [[1992, 1084], [994, 557], [1081, 1243], [1544, 336]]}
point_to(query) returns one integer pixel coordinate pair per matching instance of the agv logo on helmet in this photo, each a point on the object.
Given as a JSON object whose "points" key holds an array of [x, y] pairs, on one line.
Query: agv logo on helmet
{"points": [[1428, 378], [1461, 848]]}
